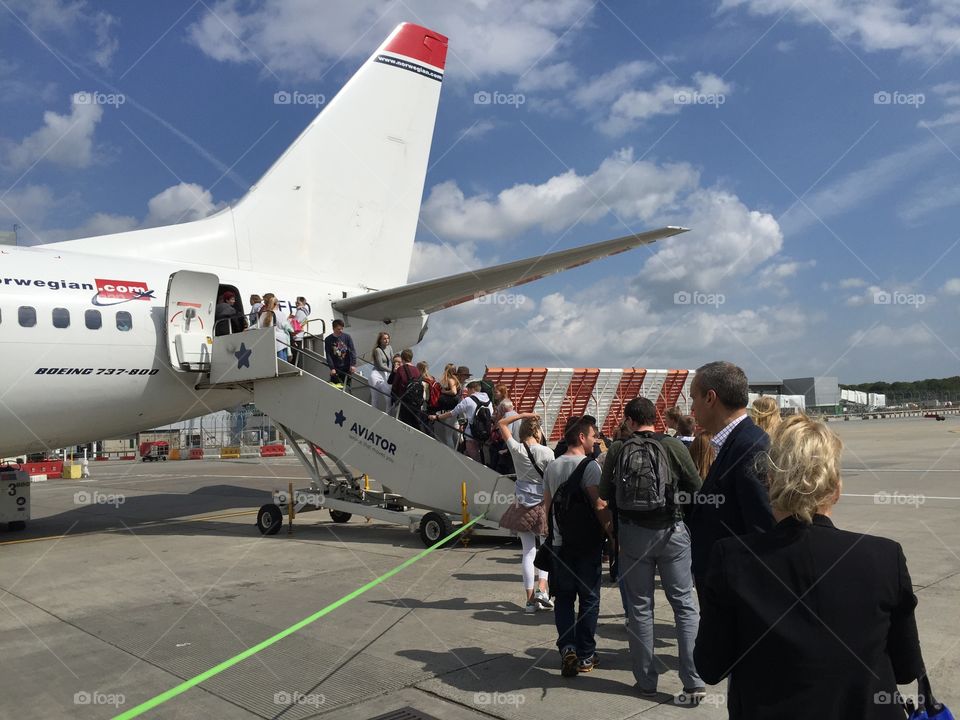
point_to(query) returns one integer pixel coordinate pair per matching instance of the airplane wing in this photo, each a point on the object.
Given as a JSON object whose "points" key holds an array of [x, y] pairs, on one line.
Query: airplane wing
{"points": [[432, 295]]}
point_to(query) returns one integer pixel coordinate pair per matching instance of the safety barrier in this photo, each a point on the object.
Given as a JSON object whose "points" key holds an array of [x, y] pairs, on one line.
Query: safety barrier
{"points": [[559, 393], [273, 451], [48, 468], [229, 452], [196, 454]]}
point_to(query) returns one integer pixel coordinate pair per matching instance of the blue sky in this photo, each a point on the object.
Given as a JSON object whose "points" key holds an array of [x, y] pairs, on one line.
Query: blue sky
{"points": [[813, 147]]}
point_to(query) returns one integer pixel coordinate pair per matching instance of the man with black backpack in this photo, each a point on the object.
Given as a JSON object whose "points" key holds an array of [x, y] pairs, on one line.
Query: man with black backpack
{"points": [[407, 387], [646, 478], [478, 411], [579, 522]]}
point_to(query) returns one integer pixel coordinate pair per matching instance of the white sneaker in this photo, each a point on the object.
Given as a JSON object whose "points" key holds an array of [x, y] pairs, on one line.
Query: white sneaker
{"points": [[530, 608], [543, 600]]}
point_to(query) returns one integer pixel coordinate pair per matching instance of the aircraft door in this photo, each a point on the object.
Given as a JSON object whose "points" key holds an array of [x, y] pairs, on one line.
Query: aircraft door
{"points": [[191, 303]]}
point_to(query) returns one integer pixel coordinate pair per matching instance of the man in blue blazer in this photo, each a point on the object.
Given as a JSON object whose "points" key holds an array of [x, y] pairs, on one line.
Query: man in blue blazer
{"points": [[733, 499]]}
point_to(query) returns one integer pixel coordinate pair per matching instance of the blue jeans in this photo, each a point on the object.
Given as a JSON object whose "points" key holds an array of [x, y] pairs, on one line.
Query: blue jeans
{"points": [[282, 354], [573, 577], [642, 553]]}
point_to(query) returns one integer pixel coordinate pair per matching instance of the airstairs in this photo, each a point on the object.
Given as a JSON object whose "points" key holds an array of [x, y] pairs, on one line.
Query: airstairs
{"points": [[349, 442]]}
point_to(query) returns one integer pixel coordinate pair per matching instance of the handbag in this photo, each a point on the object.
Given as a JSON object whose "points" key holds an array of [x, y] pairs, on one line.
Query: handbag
{"points": [[927, 706], [543, 560]]}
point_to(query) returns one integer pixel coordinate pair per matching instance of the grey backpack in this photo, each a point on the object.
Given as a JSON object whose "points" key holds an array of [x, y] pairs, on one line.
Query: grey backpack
{"points": [[643, 478]]}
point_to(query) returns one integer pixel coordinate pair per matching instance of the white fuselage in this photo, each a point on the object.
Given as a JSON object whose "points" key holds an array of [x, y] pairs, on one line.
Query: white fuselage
{"points": [[61, 386]]}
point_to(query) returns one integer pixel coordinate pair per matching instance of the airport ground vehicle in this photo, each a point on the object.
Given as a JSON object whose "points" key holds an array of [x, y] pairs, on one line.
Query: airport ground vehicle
{"points": [[153, 451]]}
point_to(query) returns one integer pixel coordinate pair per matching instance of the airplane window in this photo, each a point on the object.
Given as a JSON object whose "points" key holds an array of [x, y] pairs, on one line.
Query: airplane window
{"points": [[61, 318], [28, 316], [124, 321], [93, 319]]}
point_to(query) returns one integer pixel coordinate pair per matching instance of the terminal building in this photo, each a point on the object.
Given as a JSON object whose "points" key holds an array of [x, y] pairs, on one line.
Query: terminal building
{"points": [[820, 394]]}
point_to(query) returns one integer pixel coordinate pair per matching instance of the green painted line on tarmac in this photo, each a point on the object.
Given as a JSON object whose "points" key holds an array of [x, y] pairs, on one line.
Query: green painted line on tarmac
{"points": [[251, 651]]}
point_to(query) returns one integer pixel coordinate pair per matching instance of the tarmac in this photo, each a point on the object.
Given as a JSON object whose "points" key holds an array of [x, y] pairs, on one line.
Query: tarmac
{"points": [[147, 574]]}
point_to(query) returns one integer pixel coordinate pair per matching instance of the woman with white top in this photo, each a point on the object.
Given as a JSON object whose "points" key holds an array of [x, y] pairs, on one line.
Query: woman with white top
{"points": [[379, 387], [271, 317], [256, 305], [526, 516], [302, 315]]}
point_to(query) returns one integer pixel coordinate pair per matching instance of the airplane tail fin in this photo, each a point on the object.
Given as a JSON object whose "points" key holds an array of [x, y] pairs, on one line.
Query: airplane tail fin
{"points": [[343, 200]]}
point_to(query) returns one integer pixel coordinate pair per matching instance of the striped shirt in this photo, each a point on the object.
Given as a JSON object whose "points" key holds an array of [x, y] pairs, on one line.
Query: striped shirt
{"points": [[721, 437]]}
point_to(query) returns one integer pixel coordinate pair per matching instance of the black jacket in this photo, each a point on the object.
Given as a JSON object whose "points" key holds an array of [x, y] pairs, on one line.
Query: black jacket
{"points": [[733, 499], [815, 622]]}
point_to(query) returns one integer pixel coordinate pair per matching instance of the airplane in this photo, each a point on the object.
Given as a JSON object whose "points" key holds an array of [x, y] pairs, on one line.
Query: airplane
{"points": [[99, 335]]}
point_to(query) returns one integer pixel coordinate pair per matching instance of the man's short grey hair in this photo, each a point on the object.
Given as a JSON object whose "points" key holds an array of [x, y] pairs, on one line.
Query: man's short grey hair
{"points": [[727, 380], [506, 405]]}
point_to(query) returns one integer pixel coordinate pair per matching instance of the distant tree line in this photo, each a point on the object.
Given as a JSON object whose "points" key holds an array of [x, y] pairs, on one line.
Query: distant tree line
{"points": [[939, 389], [950, 385]]}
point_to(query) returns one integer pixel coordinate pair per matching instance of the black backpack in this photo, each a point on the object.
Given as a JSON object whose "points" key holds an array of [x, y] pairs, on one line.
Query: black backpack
{"points": [[412, 397], [570, 506], [482, 424], [643, 478]]}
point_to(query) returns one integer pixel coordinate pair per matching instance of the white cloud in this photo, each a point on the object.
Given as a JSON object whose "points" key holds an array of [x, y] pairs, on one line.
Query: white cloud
{"points": [[549, 77], [727, 242], [873, 179], [62, 140], [477, 130], [562, 330], [105, 224], [928, 198], [633, 191], [72, 19], [949, 93], [607, 87], [885, 336], [32, 205], [18, 87], [298, 38], [180, 203], [773, 275], [430, 260], [665, 98], [866, 297], [27, 206], [951, 287], [848, 283], [926, 28]]}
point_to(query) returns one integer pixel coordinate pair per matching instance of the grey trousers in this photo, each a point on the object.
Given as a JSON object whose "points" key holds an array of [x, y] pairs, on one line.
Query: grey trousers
{"points": [[642, 553]]}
